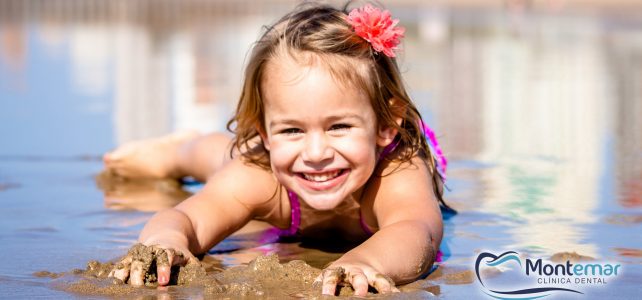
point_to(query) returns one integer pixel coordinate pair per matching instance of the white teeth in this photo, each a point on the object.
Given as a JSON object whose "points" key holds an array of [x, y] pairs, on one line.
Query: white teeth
{"points": [[321, 177]]}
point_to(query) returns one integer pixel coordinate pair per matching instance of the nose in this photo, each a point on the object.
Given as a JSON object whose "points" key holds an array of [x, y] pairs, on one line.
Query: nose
{"points": [[317, 148]]}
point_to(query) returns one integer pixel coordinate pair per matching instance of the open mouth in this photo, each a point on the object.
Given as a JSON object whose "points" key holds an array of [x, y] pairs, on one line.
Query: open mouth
{"points": [[322, 177]]}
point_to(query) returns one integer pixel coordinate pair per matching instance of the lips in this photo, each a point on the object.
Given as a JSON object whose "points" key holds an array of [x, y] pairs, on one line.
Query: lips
{"points": [[319, 181]]}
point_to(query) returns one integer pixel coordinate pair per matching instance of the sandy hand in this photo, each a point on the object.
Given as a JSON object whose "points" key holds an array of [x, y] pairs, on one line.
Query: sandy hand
{"points": [[359, 276], [138, 266]]}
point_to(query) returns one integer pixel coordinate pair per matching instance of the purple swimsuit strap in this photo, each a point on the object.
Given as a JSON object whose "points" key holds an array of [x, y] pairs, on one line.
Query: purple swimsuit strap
{"points": [[442, 162], [295, 217], [363, 224]]}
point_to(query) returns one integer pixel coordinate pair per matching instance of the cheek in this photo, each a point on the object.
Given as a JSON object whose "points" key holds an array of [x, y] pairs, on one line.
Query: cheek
{"points": [[360, 149], [282, 154]]}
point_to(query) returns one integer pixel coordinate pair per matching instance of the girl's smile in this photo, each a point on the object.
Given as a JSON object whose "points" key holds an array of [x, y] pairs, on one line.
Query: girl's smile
{"points": [[321, 135], [326, 180]]}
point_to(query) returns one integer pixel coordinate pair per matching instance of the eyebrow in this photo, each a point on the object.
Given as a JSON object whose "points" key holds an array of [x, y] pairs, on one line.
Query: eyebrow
{"points": [[332, 118], [282, 121], [346, 116]]}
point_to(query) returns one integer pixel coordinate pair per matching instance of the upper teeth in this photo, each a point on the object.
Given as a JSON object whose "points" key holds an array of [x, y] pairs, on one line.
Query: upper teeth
{"points": [[322, 176]]}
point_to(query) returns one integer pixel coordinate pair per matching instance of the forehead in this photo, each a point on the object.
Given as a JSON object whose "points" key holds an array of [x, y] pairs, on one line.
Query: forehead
{"points": [[308, 87], [289, 65]]}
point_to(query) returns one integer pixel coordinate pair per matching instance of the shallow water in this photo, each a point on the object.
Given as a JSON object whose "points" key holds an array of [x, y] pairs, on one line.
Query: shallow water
{"points": [[537, 108]]}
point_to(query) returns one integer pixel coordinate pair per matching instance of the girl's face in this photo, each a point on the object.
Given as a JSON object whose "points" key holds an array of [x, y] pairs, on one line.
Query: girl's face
{"points": [[322, 136]]}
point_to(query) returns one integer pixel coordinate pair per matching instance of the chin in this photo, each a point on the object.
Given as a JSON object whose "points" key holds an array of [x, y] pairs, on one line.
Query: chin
{"points": [[321, 202], [322, 205]]}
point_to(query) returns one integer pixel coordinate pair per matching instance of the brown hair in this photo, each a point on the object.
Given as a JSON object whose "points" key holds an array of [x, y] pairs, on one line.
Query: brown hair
{"points": [[323, 32]]}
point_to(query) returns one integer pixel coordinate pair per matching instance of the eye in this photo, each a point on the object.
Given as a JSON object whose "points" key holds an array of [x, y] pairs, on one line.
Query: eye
{"points": [[340, 126], [290, 131]]}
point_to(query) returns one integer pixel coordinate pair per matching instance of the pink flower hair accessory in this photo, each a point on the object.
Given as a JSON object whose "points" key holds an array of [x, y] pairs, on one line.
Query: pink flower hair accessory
{"points": [[376, 27]]}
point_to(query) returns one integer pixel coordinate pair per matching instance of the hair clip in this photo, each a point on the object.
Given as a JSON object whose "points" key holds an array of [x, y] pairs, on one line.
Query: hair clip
{"points": [[376, 27]]}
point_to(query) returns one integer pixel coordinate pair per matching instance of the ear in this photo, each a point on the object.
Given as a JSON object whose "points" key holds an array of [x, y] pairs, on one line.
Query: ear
{"points": [[261, 131], [386, 132], [386, 135]]}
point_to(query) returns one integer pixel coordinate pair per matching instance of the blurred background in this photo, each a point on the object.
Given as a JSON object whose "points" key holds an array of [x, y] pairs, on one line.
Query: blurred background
{"points": [[537, 104]]}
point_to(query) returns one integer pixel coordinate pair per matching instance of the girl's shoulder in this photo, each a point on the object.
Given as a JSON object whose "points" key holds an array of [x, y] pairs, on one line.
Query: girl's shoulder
{"points": [[251, 185], [399, 189], [403, 177]]}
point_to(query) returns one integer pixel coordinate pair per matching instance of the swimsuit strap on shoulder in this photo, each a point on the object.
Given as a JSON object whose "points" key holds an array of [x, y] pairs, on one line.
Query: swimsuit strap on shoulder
{"points": [[363, 224], [295, 216]]}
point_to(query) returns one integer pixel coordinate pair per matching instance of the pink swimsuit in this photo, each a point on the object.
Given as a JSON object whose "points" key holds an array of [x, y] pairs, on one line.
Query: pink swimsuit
{"points": [[296, 206]]}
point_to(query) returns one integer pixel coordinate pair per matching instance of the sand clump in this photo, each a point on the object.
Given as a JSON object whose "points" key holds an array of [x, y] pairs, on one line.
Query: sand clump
{"points": [[263, 278], [95, 280]]}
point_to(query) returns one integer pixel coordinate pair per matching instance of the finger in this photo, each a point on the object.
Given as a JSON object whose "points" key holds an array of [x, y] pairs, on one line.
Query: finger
{"points": [[359, 283], [163, 265], [383, 284], [190, 259], [331, 277], [137, 274], [185, 258], [121, 270], [176, 258], [318, 282]]}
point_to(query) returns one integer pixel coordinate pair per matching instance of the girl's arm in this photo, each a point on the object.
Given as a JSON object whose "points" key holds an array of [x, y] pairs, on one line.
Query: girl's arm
{"points": [[410, 232], [230, 198]]}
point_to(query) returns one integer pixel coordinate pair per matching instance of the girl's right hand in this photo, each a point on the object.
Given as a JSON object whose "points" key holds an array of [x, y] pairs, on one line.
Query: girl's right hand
{"points": [[136, 265]]}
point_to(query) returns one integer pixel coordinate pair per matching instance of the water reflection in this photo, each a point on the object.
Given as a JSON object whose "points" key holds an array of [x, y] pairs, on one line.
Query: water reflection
{"points": [[525, 103], [539, 110], [140, 194]]}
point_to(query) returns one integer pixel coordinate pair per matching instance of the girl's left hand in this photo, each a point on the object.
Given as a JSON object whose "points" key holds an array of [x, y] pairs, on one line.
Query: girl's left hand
{"points": [[360, 276]]}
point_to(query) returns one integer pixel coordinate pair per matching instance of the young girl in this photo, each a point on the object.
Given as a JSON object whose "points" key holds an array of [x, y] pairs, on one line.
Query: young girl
{"points": [[327, 143]]}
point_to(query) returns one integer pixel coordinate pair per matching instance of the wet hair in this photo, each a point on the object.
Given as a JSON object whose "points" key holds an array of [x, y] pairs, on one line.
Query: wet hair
{"points": [[315, 33]]}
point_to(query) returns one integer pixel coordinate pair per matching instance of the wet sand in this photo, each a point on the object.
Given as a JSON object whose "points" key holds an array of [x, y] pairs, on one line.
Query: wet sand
{"points": [[263, 277]]}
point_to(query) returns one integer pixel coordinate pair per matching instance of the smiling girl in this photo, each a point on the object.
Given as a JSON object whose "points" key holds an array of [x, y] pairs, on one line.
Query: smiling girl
{"points": [[326, 140]]}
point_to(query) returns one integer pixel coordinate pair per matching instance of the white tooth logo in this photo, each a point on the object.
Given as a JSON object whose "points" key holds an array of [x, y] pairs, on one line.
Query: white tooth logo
{"points": [[321, 177]]}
